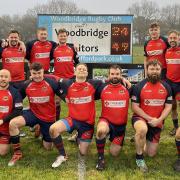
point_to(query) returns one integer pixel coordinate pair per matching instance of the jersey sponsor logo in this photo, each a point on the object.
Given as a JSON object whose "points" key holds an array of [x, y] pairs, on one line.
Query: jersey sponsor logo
{"points": [[173, 61], [108, 92], [18, 104], [115, 104], [148, 90], [14, 59], [64, 59], [81, 100], [154, 102], [155, 52], [42, 55], [4, 109], [40, 100], [5, 98]]}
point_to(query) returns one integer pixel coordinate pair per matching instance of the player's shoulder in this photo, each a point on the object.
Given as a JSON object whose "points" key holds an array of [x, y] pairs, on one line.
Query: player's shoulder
{"points": [[141, 84]]}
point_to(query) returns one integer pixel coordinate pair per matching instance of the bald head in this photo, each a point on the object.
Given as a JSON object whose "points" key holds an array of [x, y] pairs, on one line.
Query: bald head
{"points": [[5, 78]]}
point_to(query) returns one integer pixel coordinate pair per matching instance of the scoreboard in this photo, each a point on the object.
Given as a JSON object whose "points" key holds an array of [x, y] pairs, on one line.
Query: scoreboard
{"points": [[120, 39], [100, 38]]}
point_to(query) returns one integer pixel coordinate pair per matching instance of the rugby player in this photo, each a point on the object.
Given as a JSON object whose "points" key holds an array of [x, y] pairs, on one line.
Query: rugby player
{"points": [[151, 104]]}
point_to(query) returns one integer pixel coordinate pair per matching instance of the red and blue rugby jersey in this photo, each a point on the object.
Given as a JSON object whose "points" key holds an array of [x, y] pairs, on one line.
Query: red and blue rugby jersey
{"points": [[41, 96], [65, 57], [41, 52], [152, 97], [155, 49], [13, 60], [173, 64], [115, 102], [10, 100], [80, 98]]}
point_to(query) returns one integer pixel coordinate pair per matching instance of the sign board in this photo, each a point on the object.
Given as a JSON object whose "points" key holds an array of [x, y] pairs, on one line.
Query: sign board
{"points": [[100, 38]]}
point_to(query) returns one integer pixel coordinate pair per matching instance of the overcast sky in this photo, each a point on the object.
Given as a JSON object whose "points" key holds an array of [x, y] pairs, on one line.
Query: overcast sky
{"points": [[12, 7]]}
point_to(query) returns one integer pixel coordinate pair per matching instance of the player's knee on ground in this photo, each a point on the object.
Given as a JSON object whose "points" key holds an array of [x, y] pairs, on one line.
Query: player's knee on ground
{"points": [[47, 145], [3, 150], [177, 136], [83, 151], [114, 150], [151, 153]]}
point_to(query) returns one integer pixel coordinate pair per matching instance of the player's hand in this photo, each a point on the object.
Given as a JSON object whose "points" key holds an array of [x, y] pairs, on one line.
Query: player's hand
{"points": [[22, 47], [76, 47], [126, 83], [154, 122], [4, 43], [1, 121]]}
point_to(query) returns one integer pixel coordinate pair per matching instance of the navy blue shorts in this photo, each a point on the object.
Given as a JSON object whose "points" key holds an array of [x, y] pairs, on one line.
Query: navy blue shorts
{"points": [[32, 120], [116, 132], [85, 130], [153, 133], [175, 88]]}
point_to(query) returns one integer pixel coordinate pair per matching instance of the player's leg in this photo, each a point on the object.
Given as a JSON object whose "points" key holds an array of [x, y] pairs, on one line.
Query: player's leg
{"points": [[177, 140], [4, 144], [55, 131], [44, 127], [140, 140], [117, 134], [153, 137], [102, 131], [15, 124], [174, 116]]}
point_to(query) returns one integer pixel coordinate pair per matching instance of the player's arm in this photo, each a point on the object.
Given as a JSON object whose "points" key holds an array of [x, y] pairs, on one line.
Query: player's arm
{"points": [[76, 57], [168, 103], [54, 45], [136, 104], [98, 86], [29, 46], [145, 59], [17, 107]]}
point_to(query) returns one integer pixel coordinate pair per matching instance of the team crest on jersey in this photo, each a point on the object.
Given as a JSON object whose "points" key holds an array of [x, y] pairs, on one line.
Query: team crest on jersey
{"points": [[177, 52], [121, 91], [86, 88], [44, 88], [5, 98], [161, 91]]}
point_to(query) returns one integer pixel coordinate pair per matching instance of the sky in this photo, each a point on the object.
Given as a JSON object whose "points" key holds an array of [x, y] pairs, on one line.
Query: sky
{"points": [[12, 7]]}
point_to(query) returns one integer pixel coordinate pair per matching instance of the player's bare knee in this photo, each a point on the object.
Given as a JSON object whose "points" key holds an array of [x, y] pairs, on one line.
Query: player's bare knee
{"points": [[83, 152], [114, 152], [101, 133], [141, 133], [151, 153], [3, 152]]}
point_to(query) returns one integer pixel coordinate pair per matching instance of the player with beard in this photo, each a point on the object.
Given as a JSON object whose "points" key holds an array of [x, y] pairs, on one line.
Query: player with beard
{"points": [[10, 107], [151, 104], [115, 101], [173, 79], [13, 59]]}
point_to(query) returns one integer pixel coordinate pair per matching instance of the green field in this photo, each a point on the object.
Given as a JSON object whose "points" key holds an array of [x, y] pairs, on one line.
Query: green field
{"points": [[36, 163]]}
